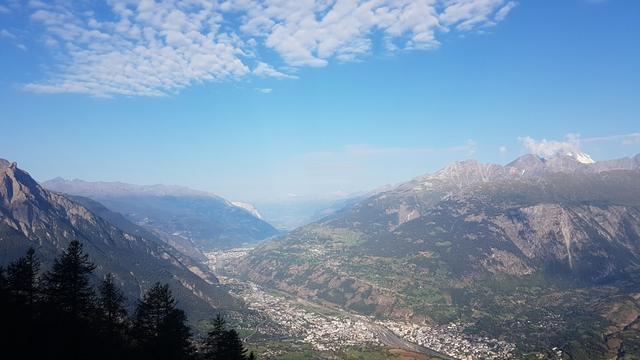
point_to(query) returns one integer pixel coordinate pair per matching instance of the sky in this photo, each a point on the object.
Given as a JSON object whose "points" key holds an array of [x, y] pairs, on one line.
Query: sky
{"points": [[275, 101]]}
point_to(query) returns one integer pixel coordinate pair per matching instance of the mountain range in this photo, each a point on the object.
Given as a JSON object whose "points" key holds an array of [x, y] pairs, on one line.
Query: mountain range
{"points": [[548, 247], [540, 252], [32, 216], [192, 221]]}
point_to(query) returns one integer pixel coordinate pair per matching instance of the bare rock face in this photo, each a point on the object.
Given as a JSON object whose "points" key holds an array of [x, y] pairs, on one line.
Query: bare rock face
{"points": [[31, 216]]}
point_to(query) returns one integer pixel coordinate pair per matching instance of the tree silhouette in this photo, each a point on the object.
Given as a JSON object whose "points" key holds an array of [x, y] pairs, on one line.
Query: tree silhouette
{"points": [[59, 316], [4, 292], [234, 348], [111, 302], [213, 342], [113, 319], [67, 284], [223, 344], [22, 279], [5, 309], [21, 285], [70, 304], [160, 330]]}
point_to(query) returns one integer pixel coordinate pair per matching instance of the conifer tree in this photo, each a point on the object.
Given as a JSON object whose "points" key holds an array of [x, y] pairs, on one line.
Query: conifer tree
{"points": [[234, 348], [67, 285], [160, 330], [113, 319], [111, 302], [22, 279], [214, 342], [70, 307], [79, 325], [4, 292], [21, 285], [5, 307], [222, 343]]}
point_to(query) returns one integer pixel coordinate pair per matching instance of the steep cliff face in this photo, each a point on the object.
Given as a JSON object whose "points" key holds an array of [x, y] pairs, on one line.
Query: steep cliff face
{"points": [[31, 216], [594, 242]]}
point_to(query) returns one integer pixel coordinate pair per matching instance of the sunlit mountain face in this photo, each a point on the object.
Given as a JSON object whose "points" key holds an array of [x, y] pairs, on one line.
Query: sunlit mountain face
{"points": [[320, 179]]}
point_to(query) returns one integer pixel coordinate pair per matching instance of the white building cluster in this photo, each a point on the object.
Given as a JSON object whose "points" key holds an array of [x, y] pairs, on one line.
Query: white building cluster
{"points": [[450, 339], [325, 332]]}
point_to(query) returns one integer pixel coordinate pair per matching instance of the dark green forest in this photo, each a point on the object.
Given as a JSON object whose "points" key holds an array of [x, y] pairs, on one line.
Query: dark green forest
{"points": [[59, 314]]}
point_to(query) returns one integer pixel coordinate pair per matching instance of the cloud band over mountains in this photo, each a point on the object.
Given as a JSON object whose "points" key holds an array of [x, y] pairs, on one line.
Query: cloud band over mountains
{"points": [[155, 48], [573, 143]]}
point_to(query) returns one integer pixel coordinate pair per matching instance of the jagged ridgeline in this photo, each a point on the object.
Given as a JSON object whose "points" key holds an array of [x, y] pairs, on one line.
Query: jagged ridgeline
{"points": [[31, 216], [549, 248]]}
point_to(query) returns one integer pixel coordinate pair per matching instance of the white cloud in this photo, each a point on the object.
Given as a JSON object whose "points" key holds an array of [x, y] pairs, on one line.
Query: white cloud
{"points": [[469, 14], [502, 150], [505, 10], [4, 9], [4, 33], [548, 148], [264, 90], [573, 143], [264, 69], [155, 48]]}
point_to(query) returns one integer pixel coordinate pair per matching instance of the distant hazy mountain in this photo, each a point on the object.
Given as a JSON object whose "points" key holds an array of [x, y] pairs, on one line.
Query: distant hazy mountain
{"points": [[31, 216], [507, 248], [190, 220], [248, 207], [288, 215]]}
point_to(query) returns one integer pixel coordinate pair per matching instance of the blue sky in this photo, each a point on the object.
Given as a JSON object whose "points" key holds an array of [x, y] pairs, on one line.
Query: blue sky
{"points": [[258, 102]]}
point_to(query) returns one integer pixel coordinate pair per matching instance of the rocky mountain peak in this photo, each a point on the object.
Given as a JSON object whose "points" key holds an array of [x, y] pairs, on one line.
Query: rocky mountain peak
{"points": [[467, 170], [18, 187], [581, 157], [528, 161], [565, 162], [460, 174], [469, 173]]}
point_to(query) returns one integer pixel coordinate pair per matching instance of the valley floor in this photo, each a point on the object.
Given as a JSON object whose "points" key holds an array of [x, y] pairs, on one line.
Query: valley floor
{"points": [[332, 330]]}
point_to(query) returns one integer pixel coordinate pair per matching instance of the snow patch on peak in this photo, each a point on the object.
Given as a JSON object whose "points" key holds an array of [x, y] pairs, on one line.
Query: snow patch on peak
{"points": [[581, 157], [247, 207]]}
